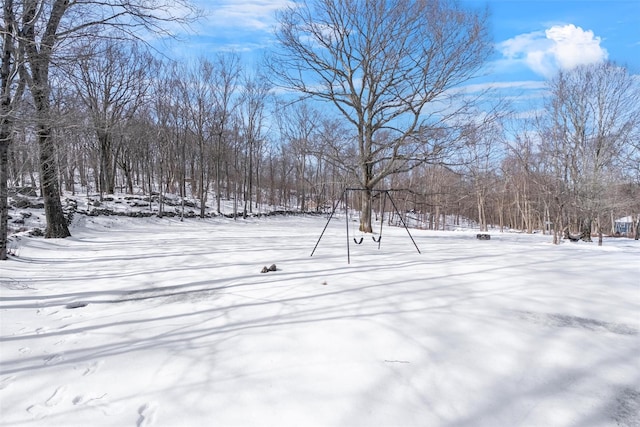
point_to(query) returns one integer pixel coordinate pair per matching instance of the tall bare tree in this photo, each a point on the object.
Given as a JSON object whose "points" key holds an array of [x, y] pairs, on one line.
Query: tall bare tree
{"points": [[11, 89], [387, 67], [252, 111], [227, 69]]}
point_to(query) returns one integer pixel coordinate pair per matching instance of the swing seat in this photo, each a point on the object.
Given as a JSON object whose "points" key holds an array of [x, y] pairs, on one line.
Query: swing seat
{"points": [[376, 240], [358, 241]]}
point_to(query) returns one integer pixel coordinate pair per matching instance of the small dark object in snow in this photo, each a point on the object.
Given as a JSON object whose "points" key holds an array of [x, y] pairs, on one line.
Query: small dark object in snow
{"points": [[36, 232], [483, 236], [266, 269], [77, 304]]}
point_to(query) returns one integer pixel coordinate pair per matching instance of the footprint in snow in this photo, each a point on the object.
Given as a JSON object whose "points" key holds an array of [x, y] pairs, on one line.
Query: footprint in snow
{"points": [[147, 414], [46, 312], [88, 400], [57, 396], [100, 402], [93, 368], [40, 410], [6, 382]]}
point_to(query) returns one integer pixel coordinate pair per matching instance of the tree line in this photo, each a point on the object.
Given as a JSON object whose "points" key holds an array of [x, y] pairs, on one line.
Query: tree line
{"points": [[371, 100]]}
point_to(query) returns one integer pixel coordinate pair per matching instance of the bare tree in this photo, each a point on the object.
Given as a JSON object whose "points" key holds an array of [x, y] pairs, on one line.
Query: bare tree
{"points": [[227, 69], [11, 89], [388, 68], [252, 113]]}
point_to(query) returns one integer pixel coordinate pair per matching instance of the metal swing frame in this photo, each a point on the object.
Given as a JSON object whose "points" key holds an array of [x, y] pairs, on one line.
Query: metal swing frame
{"points": [[344, 198]]}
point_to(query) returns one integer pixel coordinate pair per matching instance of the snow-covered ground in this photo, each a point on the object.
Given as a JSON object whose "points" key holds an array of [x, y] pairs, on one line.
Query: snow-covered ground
{"points": [[142, 322]]}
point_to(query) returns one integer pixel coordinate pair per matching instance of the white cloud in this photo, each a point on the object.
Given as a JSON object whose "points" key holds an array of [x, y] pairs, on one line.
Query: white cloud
{"points": [[249, 14], [229, 25], [573, 46], [560, 47]]}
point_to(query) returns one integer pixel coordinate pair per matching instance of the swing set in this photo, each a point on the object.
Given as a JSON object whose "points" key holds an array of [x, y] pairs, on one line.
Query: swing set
{"points": [[384, 195]]}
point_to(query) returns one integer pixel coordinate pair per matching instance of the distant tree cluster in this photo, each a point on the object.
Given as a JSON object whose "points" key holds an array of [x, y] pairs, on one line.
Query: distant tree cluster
{"points": [[86, 107]]}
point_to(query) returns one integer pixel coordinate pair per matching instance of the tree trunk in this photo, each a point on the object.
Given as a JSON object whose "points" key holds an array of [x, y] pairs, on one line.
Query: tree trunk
{"points": [[599, 225], [219, 174], [107, 182], [56, 222], [202, 191], [4, 205], [38, 56], [249, 194], [482, 219], [128, 175], [365, 212], [6, 123], [585, 233]]}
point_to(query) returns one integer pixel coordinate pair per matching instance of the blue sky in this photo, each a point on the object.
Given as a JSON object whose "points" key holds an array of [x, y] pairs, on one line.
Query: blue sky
{"points": [[609, 26], [533, 38]]}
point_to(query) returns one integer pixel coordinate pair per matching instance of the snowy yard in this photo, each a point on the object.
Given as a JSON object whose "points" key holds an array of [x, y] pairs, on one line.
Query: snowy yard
{"points": [[157, 322]]}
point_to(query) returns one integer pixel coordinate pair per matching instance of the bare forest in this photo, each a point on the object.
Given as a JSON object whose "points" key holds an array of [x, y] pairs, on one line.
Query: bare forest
{"points": [[346, 100]]}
